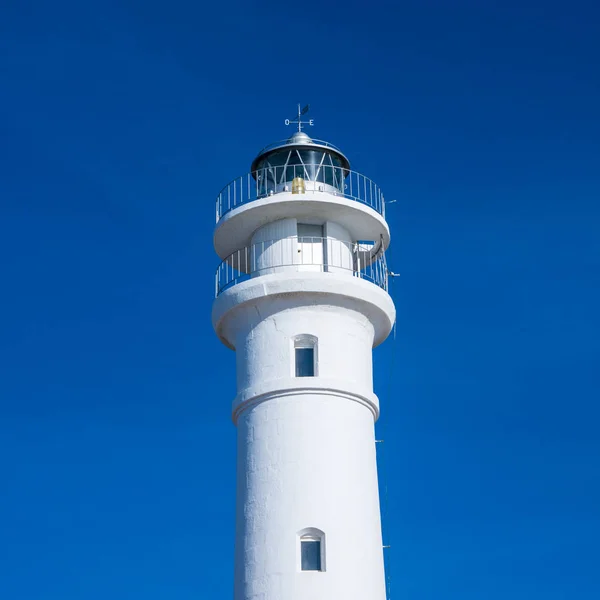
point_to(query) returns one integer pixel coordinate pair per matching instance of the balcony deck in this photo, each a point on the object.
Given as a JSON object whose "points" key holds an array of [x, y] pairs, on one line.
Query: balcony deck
{"points": [[303, 254], [317, 178]]}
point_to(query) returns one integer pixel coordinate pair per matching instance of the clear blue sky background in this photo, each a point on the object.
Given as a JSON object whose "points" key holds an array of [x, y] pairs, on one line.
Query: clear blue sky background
{"points": [[121, 121]]}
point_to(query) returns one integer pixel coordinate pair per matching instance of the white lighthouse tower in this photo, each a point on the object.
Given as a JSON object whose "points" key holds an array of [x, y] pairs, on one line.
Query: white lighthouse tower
{"points": [[301, 296]]}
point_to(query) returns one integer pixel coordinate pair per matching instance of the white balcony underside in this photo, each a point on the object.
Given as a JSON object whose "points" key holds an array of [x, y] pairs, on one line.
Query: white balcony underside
{"points": [[289, 290], [236, 228]]}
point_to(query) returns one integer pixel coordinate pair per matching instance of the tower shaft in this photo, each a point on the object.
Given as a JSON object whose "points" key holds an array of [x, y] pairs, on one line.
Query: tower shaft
{"points": [[302, 299]]}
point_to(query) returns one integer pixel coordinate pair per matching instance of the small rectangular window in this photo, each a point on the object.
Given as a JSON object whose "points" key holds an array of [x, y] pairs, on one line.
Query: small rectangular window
{"points": [[305, 362], [311, 555], [310, 231]]}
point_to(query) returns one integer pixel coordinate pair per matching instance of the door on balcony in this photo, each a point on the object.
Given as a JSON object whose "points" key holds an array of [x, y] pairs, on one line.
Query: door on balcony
{"points": [[310, 247]]}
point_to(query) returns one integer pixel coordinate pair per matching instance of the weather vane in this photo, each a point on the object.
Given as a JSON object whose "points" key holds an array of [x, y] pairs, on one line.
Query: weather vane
{"points": [[298, 119]]}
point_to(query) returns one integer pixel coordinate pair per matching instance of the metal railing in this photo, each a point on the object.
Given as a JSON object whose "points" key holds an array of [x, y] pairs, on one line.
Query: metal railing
{"points": [[308, 254], [315, 178]]}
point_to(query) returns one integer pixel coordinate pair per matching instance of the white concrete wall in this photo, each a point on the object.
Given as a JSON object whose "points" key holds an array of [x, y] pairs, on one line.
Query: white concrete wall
{"points": [[265, 343], [307, 460], [306, 457], [274, 247], [338, 249]]}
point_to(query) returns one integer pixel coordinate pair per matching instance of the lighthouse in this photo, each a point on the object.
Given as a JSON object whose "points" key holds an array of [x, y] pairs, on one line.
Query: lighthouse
{"points": [[302, 298]]}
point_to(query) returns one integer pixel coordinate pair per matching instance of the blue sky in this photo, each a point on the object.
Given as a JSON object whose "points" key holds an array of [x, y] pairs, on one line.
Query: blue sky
{"points": [[121, 121]]}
